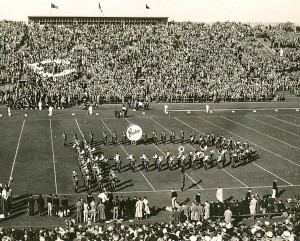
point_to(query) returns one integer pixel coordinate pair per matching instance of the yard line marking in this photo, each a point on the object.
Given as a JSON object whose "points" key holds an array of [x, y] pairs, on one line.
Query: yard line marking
{"points": [[295, 116], [290, 123], [78, 127], [176, 165], [14, 162], [192, 189], [273, 126], [261, 133], [128, 155], [256, 146], [53, 158], [195, 149]]}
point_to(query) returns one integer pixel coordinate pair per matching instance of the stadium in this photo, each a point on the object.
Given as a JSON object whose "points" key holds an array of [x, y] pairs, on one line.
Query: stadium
{"points": [[146, 128]]}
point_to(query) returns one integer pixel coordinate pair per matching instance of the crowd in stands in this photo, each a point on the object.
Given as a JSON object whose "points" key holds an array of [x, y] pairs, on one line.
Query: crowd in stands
{"points": [[178, 62], [184, 224]]}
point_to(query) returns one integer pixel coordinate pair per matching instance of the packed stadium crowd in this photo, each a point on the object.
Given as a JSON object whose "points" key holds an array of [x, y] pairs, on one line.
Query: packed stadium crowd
{"points": [[178, 62]]}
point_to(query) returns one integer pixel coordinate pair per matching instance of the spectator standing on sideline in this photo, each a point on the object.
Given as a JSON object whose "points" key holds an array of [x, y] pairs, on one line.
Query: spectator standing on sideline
{"points": [[101, 211], [219, 195], [139, 209], [206, 210], [31, 205], [174, 197], [65, 205], [198, 198], [275, 189], [146, 207], [40, 203], [79, 211], [49, 204], [228, 215], [55, 205], [175, 216]]}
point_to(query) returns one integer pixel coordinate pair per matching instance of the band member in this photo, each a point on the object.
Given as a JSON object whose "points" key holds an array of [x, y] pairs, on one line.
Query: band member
{"points": [[159, 163], [113, 180], [181, 136], [91, 138], [168, 155], [182, 179], [124, 138], [65, 138], [145, 137], [143, 158], [75, 137], [75, 182], [171, 162], [118, 162], [131, 162], [172, 137], [100, 182], [163, 137], [155, 157], [146, 162], [104, 137], [114, 138], [154, 137], [192, 138]]}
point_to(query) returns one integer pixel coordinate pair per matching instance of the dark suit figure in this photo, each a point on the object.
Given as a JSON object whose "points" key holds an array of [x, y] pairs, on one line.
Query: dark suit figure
{"points": [[55, 205], [31, 205], [40, 203]]}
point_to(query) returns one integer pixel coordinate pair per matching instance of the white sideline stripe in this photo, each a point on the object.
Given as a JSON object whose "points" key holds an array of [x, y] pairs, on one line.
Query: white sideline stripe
{"points": [[290, 123], [53, 158], [230, 109], [176, 165], [128, 155], [256, 146], [195, 149], [273, 126], [204, 189], [14, 162], [261, 133]]}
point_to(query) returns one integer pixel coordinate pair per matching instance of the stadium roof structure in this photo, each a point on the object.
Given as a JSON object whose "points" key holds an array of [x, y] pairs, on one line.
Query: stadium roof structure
{"points": [[75, 20]]}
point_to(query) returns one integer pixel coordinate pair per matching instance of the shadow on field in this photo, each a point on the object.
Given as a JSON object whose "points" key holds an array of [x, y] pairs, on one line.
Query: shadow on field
{"points": [[19, 207], [154, 210]]}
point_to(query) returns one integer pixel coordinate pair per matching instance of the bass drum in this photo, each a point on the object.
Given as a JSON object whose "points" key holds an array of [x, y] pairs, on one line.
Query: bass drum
{"points": [[181, 149]]}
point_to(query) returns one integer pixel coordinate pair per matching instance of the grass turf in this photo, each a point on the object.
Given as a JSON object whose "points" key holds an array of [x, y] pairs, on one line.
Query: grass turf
{"points": [[32, 152]]}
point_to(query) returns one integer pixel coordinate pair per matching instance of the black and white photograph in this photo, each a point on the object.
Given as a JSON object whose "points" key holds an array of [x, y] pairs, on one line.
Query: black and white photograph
{"points": [[150, 120]]}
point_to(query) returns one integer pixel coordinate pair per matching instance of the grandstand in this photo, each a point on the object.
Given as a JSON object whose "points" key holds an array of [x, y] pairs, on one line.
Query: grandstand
{"points": [[248, 76], [75, 20]]}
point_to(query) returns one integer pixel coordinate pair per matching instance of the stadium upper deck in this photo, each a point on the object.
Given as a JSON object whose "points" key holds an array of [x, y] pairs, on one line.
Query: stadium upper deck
{"points": [[74, 20]]}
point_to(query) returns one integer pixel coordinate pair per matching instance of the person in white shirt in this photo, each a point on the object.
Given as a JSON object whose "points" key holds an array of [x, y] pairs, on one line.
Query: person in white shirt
{"points": [[219, 195]]}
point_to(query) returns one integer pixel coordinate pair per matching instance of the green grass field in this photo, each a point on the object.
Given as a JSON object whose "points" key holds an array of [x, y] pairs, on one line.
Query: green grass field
{"points": [[32, 153]]}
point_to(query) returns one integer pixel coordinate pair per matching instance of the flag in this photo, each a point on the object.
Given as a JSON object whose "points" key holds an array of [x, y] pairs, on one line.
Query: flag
{"points": [[54, 6], [147, 7], [99, 6]]}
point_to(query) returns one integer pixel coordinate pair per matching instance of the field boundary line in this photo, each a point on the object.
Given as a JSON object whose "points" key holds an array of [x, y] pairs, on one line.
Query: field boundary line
{"points": [[273, 126], [290, 123], [53, 157], [250, 128], [176, 165], [256, 146], [231, 109], [178, 190], [195, 149], [128, 155], [16, 153]]}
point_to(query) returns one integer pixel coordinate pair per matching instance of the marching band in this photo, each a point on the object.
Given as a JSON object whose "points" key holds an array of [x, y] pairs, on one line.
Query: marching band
{"points": [[213, 151]]}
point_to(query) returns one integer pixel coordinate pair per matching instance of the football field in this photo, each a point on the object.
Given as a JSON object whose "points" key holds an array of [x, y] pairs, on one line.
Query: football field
{"points": [[33, 159]]}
